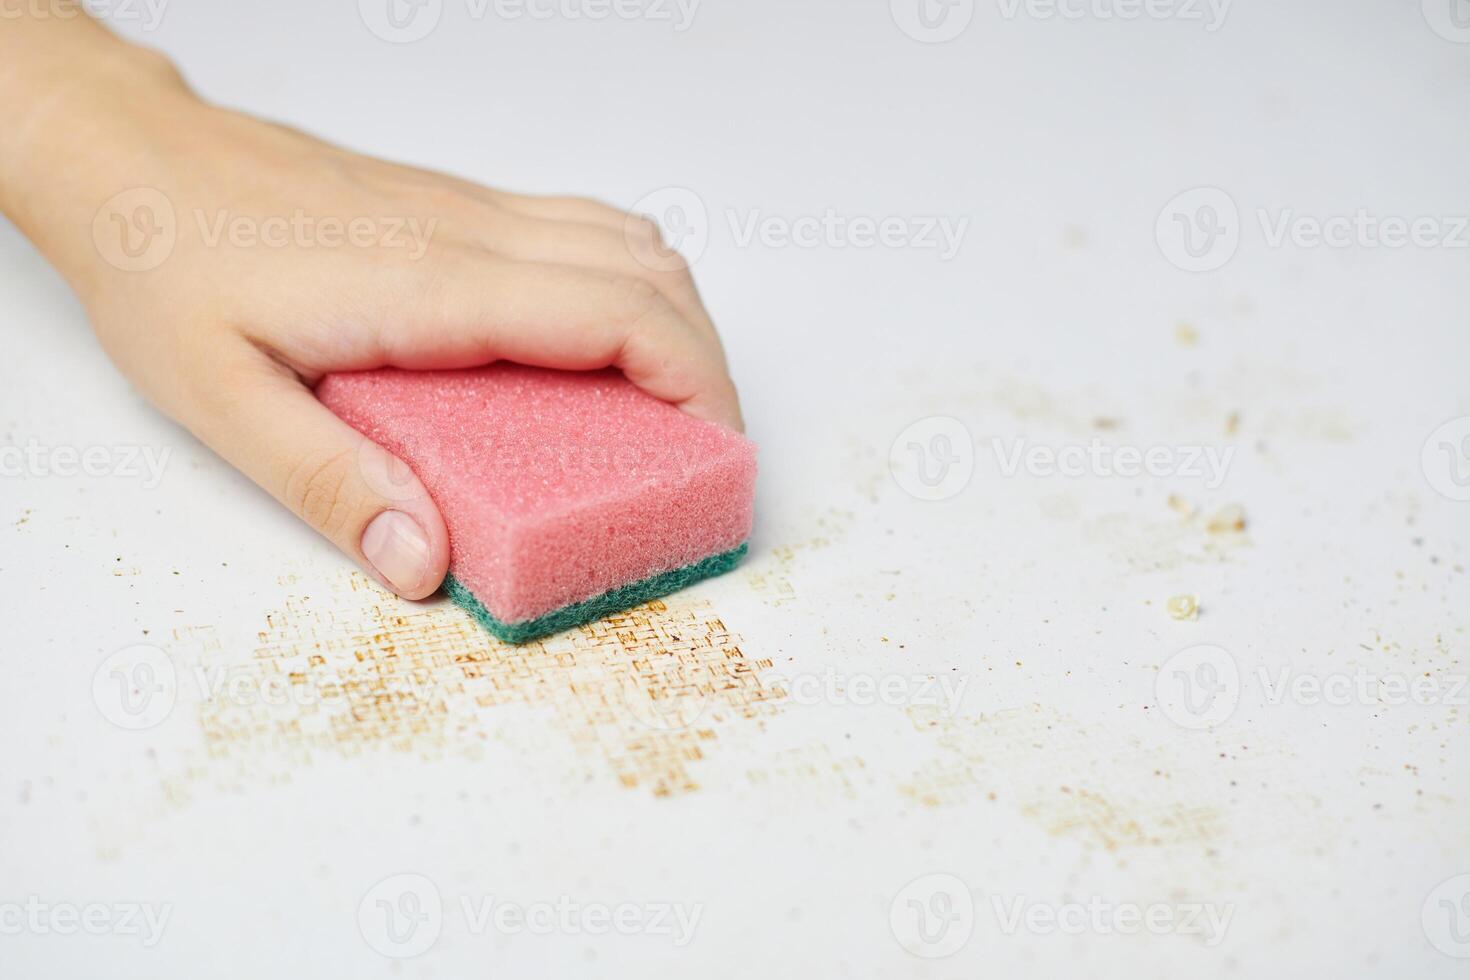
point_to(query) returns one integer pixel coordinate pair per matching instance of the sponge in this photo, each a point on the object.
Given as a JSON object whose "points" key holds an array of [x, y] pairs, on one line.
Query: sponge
{"points": [[568, 495]]}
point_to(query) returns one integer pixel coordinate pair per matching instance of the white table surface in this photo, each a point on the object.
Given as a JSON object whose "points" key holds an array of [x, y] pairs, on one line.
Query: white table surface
{"points": [[797, 822]]}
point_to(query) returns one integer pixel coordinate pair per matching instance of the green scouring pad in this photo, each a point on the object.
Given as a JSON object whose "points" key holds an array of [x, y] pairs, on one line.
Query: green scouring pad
{"points": [[611, 601]]}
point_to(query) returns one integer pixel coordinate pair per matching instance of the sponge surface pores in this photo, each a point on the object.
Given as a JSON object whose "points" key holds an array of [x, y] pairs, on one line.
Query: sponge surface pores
{"points": [[559, 488]]}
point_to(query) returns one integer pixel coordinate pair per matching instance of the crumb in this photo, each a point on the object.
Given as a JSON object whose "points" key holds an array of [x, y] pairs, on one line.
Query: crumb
{"points": [[1183, 607], [1228, 518], [1185, 334], [1180, 506]]}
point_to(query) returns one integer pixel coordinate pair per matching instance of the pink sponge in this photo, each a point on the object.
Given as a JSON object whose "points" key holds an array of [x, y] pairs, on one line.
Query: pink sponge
{"points": [[567, 495]]}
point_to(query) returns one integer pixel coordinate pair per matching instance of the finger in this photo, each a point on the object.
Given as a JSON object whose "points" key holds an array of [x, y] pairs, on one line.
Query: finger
{"points": [[552, 207], [633, 249], [580, 210], [549, 207], [355, 493], [569, 230], [476, 310], [640, 238]]}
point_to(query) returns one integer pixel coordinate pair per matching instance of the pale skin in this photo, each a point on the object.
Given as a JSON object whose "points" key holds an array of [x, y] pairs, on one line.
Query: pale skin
{"points": [[228, 335]]}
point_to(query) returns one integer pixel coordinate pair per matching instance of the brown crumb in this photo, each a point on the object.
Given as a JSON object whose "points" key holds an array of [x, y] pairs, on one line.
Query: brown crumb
{"points": [[1230, 518]]}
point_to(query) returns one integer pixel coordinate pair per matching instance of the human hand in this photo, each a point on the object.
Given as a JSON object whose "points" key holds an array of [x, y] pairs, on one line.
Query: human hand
{"points": [[217, 259]]}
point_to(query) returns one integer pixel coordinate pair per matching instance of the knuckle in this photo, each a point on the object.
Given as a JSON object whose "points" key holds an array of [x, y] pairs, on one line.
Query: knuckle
{"points": [[647, 257], [645, 243], [317, 489], [433, 285], [640, 301], [443, 196], [669, 265], [592, 205], [646, 228], [159, 65]]}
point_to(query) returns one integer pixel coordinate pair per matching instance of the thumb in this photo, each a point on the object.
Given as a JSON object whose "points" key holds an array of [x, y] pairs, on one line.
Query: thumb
{"points": [[359, 496]]}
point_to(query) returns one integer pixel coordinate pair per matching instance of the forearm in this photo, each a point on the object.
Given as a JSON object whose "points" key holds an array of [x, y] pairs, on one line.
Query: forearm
{"points": [[76, 111]]}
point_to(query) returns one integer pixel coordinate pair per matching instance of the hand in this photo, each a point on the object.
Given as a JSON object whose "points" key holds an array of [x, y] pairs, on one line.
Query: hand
{"points": [[284, 258]]}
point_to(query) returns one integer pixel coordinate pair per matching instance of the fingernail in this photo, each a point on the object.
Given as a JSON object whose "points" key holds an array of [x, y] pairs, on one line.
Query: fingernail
{"points": [[397, 547]]}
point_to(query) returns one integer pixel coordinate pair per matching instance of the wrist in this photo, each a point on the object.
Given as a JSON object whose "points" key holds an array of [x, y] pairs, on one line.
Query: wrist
{"points": [[72, 137]]}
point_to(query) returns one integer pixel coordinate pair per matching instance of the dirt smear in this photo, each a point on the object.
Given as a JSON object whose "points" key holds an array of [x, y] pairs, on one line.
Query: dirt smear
{"points": [[356, 671]]}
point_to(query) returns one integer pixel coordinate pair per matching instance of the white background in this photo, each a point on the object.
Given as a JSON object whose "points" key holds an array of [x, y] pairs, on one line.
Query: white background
{"points": [[1323, 829]]}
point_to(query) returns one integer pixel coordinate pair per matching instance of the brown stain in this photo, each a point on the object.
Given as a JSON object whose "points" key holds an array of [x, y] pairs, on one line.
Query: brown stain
{"points": [[1092, 815], [1167, 543], [772, 580], [771, 575], [812, 773], [647, 690], [1074, 780]]}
